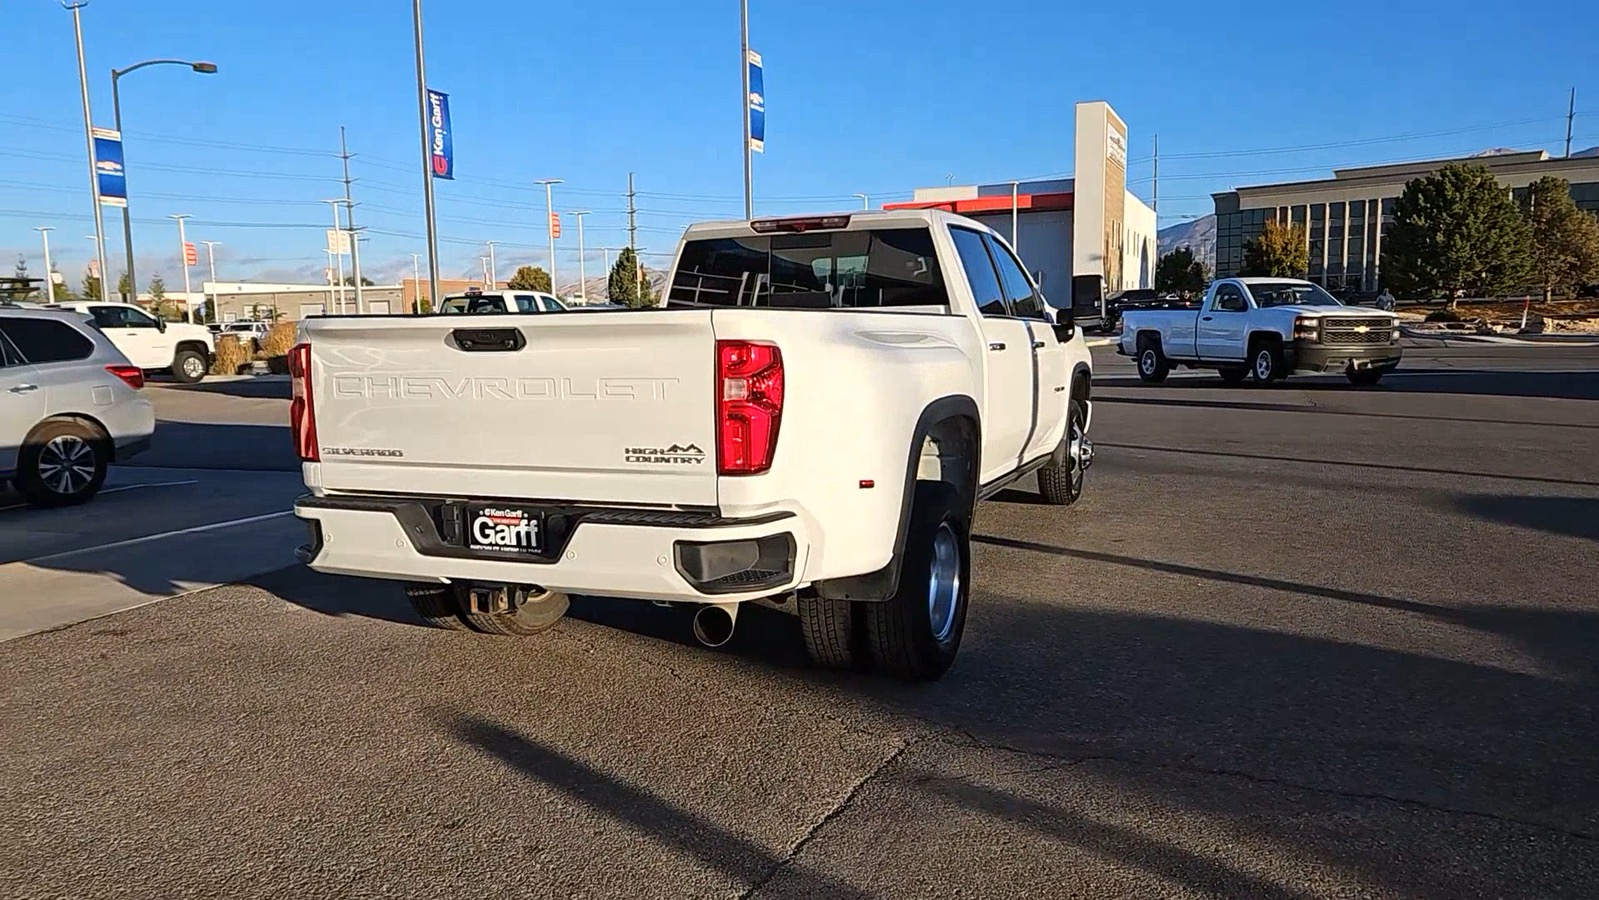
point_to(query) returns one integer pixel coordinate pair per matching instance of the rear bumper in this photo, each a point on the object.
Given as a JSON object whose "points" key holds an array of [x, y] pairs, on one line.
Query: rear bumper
{"points": [[1319, 358], [635, 554]]}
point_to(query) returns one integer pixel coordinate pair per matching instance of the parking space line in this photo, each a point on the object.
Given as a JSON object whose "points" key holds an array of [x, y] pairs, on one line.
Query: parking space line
{"points": [[156, 537], [120, 487]]}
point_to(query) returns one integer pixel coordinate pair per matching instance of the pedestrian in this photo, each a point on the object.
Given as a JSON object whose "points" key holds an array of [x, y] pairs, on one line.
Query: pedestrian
{"points": [[1385, 300]]}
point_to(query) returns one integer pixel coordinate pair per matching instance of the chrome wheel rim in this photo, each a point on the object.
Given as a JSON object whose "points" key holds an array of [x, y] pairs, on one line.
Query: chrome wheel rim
{"points": [[944, 581], [1081, 451], [1146, 362], [1263, 365], [193, 367], [66, 465]]}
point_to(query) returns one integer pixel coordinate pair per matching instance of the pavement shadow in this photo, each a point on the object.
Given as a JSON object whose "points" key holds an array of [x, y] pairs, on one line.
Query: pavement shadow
{"points": [[1562, 385], [1182, 402], [684, 831], [1566, 516], [205, 445], [266, 388]]}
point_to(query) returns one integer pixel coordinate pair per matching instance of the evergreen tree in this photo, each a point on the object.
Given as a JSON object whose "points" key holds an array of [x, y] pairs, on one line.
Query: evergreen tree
{"points": [[1563, 240], [1455, 231], [627, 284]]}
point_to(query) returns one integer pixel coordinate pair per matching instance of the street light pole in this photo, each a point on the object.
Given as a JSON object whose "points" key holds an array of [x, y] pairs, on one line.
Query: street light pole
{"points": [[49, 274], [211, 259], [744, 103], [427, 164], [416, 281], [204, 68], [338, 252], [494, 269], [88, 137], [183, 251], [582, 272], [549, 222], [866, 202], [1013, 198]]}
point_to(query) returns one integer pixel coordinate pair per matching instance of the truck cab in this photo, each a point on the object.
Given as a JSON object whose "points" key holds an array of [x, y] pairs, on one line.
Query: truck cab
{"points": [[476, 302]]}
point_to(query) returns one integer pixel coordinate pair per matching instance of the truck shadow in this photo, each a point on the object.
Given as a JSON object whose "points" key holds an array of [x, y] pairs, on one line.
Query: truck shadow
{"points": [[1563, 385]]}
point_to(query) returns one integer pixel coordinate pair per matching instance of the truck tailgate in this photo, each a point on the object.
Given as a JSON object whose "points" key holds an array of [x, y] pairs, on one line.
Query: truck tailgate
{"points": [[583, 408]]}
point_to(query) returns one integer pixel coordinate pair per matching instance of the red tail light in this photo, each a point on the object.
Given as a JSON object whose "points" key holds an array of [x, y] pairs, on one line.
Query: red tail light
{"points": [[749, 405], [132, 375], [302, 413]]}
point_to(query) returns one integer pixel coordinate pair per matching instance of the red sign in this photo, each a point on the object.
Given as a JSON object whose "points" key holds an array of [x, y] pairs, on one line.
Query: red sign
{"points": [[190, 257], [555, 225]]}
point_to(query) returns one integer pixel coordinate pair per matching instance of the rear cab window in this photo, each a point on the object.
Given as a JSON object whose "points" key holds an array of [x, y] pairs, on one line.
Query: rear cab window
{"points": [[44, 341], [866, 269]]}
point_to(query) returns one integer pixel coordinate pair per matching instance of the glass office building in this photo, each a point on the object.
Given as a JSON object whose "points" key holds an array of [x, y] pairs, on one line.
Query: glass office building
{"points": [[1346, 216]]}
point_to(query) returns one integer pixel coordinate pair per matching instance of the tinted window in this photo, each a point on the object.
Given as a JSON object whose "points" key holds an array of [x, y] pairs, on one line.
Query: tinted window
{"points": [[8, 356], [1230, 299], [551, 306], [120, 317], [979, 272], [1024, 301], [46, 341], [527, 303], [817, 270], [1291, 294]]}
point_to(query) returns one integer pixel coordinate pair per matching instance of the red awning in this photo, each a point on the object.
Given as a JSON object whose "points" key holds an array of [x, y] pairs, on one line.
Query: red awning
{"points": [[1002, 203]]}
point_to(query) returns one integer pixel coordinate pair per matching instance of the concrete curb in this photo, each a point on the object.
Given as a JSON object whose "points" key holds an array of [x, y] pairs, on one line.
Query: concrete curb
{"points": [[1101, 342], [1469, 338]]}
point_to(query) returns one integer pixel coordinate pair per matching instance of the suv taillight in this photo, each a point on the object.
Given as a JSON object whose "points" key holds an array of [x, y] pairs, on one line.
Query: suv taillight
{"points": [[302, 414], [749, 405], [133, 376]]}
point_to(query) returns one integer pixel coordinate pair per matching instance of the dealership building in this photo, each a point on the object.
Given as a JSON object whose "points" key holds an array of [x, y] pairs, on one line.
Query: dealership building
{"points": [[1346, 216], [1085, 237]]}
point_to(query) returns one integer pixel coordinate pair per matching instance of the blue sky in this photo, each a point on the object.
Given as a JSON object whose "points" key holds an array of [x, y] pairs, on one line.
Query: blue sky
{"points": [[878, 97]]}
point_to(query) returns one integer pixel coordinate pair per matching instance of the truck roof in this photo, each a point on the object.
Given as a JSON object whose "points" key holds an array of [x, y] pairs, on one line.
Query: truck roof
{"points": [[858, 219], [1261, 279]]}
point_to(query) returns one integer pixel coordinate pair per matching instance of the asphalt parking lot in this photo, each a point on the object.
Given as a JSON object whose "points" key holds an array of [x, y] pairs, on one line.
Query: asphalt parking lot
{"points": [[1307, 641]]}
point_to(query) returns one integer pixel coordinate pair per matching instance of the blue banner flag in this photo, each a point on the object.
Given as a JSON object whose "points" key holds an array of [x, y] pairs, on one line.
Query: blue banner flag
{"points": [[757, 102], [108, 172], [441, 148]]}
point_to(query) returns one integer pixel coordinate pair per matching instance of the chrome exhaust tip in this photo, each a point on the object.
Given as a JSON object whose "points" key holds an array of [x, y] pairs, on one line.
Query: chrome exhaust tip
{"points": [[713, 623]]}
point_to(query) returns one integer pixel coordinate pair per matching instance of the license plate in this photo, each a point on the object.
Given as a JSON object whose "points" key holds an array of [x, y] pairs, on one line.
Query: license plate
{"points": [[502, 528]]}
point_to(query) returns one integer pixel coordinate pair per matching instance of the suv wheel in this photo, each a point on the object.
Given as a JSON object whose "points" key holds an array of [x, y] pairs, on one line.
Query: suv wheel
{"points": [[63, 463], [188, 366]]}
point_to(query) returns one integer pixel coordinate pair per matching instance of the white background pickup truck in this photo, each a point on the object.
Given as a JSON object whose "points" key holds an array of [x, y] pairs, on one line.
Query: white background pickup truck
{"points": [[809, 423], [1264, 327], [150, 343]]}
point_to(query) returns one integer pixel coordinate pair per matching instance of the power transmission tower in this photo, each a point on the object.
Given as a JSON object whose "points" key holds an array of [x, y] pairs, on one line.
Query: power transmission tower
{"points": [[349, 217], [632, 237]]}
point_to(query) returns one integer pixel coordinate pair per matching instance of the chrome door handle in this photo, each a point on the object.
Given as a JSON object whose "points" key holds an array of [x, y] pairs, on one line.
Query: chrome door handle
{"points": [[24, 388], [1038, 345], [996, 345]]}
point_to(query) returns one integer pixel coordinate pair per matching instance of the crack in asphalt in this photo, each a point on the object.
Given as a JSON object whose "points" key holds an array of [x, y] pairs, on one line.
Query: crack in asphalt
{"points": [[1066, 761], [837, 810]]}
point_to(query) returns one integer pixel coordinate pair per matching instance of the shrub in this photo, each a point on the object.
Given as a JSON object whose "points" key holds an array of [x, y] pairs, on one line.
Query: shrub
{"points": [[278, 341], [231, 356], [1443, 315]]}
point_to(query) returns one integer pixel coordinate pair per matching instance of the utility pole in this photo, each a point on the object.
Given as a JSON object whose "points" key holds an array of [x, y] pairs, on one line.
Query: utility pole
{"points": [[211, 259], [632, 233], [338, 251], [744, 103], [494, 270], [416, 281], [49, 274], [483, 270], [549, 222], [1571, 115], [183, 250], [349, 215], [1014, 185], [88, 138], [1155, 200], [582, 272], [427, 163]]}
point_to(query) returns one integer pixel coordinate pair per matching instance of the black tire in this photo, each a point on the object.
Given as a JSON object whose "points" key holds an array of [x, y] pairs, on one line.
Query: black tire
{"points": [[436, 604], [1364, 377], [62, 463], [1153, 366], [534, 615], [900, 631], [1060, 481], [1266, 364], [1233, 375], [833, 631], [188, 366]]}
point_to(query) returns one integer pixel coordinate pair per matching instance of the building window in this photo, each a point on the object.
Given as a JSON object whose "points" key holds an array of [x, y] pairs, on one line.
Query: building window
{"points": [[1335, 213], [1297, 215], [1318, 212]]}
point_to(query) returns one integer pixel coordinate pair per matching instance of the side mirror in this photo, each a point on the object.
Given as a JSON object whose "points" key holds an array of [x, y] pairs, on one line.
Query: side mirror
{"points": [[1065, 325], [160, 324]]}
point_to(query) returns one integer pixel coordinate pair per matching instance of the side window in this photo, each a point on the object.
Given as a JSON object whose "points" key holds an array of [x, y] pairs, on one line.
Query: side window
{"points": [[1230, 299], [8, 356], [526, 303], [550, 305], [138, 318], [108, 316], [980, 272], [43, 341], [1024, 300]]}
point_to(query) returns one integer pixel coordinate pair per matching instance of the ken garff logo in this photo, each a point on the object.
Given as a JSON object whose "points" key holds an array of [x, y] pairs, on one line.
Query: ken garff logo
{"points": [[677, 454]]}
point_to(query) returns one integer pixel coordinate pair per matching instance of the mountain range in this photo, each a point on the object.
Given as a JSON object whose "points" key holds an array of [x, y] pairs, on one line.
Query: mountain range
{"points": [[1198, 235]]}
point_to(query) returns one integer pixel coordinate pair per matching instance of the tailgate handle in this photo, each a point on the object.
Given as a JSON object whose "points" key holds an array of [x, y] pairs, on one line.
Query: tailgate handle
{"points": [[488, 340]]}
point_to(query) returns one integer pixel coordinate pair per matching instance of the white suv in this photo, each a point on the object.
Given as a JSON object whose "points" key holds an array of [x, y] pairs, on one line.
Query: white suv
{"points": [[70, 405], [151, 343]]}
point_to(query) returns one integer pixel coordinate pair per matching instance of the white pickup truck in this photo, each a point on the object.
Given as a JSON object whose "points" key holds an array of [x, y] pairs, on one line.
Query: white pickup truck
{"points": [[1265, 328], [150, 342], [808, 422]]}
